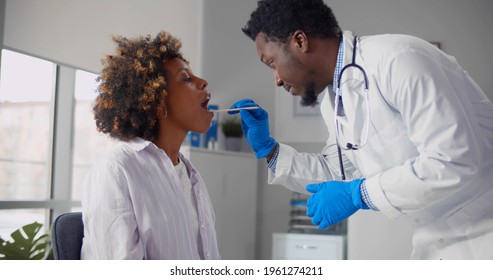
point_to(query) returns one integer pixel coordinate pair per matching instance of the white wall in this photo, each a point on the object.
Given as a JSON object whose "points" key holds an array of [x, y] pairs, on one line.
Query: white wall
{"points": [[229, 60], [2, 21], [78, 32]]}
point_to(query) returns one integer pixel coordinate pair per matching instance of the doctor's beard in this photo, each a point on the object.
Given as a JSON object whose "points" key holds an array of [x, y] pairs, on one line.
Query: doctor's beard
{"points": [[310, 97]]}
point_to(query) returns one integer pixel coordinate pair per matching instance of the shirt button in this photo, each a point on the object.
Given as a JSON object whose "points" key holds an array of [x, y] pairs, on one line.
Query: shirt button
{"points": [[441, 240], [202, 225], [416, 221]]}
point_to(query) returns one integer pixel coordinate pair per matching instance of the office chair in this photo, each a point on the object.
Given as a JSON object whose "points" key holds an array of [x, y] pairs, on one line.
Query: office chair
{"points": [[66, 236]]}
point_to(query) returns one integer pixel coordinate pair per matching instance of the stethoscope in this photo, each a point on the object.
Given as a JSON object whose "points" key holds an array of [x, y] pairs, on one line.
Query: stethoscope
{"points": [[339, 110]]}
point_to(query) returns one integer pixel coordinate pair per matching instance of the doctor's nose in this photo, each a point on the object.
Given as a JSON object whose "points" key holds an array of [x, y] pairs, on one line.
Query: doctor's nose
{"points": [[278, 81]]}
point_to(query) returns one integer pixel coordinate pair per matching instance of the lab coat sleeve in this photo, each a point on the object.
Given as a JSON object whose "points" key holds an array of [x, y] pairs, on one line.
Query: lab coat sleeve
{"points": [[296, 170], [108, 215], [423, 88]]}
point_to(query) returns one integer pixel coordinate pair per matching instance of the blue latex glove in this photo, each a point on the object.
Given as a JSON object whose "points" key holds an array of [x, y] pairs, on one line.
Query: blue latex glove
{"points": [[334, 201], [255, 126]]}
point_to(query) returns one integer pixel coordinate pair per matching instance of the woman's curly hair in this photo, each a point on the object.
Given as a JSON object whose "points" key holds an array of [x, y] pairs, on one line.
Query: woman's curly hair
{"points": [[278, 19], [133, 86]]}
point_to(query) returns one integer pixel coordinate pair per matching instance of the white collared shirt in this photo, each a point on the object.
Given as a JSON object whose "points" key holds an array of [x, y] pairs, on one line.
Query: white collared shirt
{"points": [[134, 207]]}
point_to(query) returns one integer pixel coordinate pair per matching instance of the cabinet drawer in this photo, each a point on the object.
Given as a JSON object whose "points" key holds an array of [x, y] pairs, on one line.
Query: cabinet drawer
{"points": [[294, 246]]}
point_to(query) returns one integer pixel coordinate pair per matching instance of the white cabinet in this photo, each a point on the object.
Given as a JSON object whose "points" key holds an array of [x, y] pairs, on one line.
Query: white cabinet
{"points": [[231, 179], [301, 246]]}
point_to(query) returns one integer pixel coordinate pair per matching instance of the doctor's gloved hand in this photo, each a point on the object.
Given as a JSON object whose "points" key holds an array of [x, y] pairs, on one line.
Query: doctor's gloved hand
{"points": [[255, 126], [334, 201]]}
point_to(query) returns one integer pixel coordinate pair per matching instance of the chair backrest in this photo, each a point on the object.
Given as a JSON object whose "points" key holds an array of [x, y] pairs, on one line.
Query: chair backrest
{"points": [[66, 236]]}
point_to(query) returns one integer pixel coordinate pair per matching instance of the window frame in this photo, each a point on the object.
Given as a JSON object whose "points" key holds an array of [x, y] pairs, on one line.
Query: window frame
{"points": [[60, 160]]}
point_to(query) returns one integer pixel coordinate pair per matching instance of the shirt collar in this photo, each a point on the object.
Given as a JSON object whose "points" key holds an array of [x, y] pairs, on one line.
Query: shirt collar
{"points": [[138, 144], [337, 70]]}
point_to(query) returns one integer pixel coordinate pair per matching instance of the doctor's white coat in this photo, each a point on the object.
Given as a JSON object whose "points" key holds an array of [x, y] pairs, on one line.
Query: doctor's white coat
{"points": [[429, 154]]}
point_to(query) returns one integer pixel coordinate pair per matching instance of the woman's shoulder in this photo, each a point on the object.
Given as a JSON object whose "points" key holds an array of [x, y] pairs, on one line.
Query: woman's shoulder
{"points": [[120, 155]]}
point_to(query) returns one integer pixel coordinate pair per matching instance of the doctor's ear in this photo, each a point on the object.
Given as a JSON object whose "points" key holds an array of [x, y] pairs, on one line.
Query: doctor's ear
{"points": [[300, 39]]}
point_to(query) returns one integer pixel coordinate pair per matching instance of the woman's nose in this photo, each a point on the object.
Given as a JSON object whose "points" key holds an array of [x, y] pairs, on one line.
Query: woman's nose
{"points": [[203, 83]]}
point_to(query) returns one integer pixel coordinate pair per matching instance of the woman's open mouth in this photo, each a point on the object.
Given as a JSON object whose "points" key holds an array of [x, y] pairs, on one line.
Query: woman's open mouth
{"points": [[205, 102]]}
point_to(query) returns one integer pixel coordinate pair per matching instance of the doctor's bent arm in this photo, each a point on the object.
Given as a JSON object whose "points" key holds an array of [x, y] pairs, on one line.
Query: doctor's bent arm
{"points": [[295, 170]]}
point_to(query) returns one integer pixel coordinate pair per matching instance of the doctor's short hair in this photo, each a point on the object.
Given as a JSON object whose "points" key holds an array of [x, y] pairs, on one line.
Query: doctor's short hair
{"points": [[278, 19], [133, 86]]}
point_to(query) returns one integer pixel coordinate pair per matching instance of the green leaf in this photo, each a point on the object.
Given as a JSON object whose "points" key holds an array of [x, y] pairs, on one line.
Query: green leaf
{"points": [[25, 246]]}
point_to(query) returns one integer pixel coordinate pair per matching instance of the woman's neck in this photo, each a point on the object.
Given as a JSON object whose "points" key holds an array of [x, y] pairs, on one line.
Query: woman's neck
{"points": [[170, 142]]}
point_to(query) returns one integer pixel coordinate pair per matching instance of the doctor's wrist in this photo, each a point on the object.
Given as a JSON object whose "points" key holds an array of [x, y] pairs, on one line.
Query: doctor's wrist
{"points": [[366, 197], [272, 158], [273, 153]]}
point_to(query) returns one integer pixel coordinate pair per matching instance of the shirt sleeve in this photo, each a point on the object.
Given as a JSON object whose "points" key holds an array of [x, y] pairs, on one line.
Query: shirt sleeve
{"points": [[271, 164], [110, 227], [296, 170]]}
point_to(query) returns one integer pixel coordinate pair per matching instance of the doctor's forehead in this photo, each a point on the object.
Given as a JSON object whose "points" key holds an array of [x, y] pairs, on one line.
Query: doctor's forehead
{"points": [[265, 47]]}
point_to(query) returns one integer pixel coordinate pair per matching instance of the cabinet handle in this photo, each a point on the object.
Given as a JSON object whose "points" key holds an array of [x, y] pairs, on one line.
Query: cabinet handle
{"points": [[306, 247]]}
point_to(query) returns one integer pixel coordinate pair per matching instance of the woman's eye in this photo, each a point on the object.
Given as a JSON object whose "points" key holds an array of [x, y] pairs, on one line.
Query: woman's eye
{"points": [[187, 79]]}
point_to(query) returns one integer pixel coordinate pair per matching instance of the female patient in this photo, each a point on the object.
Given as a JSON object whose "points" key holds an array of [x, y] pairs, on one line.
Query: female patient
{"points": [[145, 200]]}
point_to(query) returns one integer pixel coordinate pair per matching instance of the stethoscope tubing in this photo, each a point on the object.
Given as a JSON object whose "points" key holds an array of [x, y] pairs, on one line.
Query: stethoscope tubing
{"points": [[338, 104]]}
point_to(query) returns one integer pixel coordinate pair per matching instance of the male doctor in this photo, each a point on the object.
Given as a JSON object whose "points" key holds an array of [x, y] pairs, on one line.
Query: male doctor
{"points": [[410, 133]]}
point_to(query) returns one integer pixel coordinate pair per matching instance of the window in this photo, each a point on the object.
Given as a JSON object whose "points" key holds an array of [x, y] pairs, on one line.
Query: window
{"points": [[48, 139], [26, 90], [26, 106], [89, 144]]}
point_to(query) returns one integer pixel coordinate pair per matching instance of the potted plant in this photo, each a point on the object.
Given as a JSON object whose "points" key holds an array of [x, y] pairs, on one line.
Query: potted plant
{"points": [[231, 129], [28, 244]]}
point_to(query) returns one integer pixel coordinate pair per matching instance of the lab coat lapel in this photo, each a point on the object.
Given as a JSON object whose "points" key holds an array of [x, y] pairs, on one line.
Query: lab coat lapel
{"points": [[352, 124]]}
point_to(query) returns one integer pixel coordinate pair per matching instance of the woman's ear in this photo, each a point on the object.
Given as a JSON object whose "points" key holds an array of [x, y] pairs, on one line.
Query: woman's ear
{"points": [[162, 111]]}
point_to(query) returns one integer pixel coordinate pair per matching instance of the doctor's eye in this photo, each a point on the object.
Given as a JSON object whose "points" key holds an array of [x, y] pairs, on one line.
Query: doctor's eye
{"points": [[268, 63]]}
